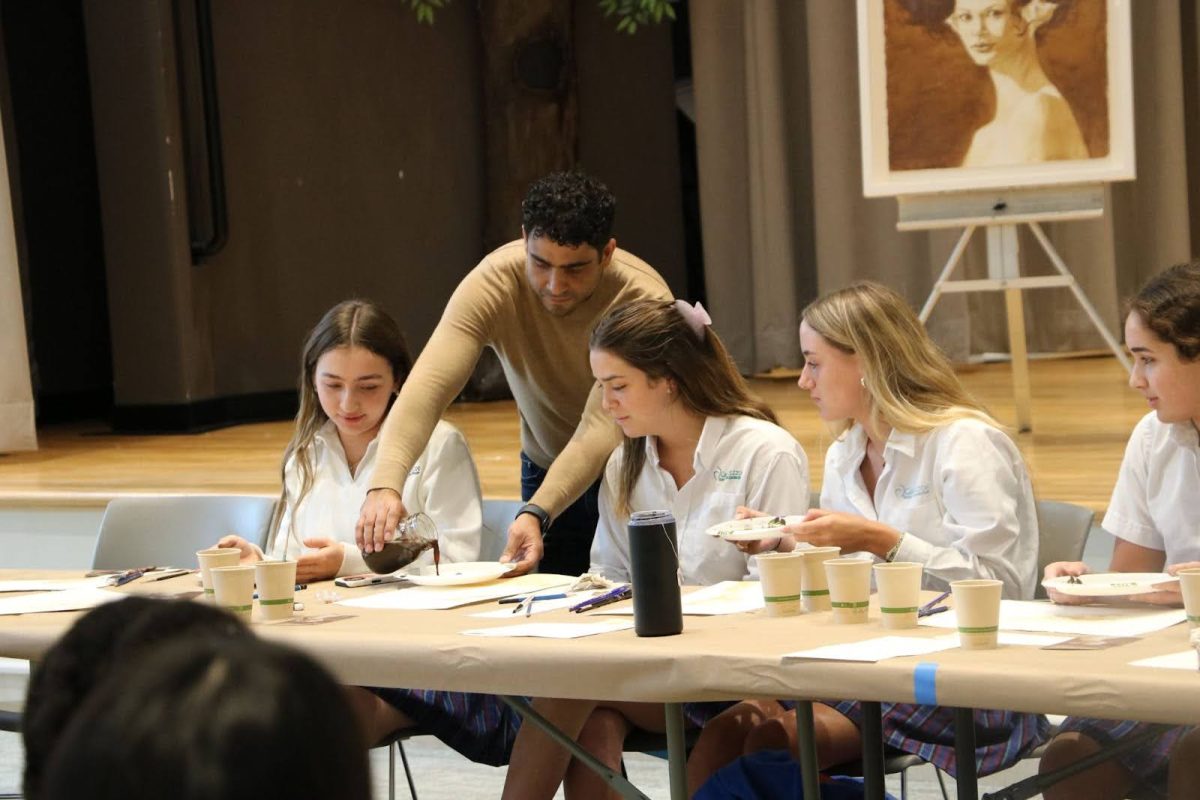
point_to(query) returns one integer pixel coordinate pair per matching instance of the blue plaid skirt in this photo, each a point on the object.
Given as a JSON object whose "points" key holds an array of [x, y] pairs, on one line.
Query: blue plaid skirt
{"points": [[1148, 761], [479, 726], [1002, 738]]}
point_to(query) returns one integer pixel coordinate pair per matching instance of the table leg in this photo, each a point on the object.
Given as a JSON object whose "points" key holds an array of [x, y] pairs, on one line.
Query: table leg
{"points": [[806, 743], [618, 782], [872, 750], [964, 753], [676, 751]]}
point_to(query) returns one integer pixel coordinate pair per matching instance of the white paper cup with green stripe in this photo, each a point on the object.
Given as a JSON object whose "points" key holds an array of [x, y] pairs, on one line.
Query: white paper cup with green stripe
{"points": [[977, 606], [276, 588], [1189, 583], [233, 589], [814, 593], [215, 557], [899, 585], [782, 578], [849, 589]]}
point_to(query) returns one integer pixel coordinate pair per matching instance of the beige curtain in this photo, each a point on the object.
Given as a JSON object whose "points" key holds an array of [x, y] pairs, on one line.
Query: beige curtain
{"points": [[17, 430], [776, 94]]}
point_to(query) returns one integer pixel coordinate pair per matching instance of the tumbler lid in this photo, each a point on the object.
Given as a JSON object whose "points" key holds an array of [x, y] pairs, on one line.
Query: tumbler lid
{"points": [[640, 518]]}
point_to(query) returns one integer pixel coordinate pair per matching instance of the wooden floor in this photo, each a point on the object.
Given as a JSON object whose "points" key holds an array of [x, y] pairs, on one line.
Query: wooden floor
{"points": [[1082, 408]]}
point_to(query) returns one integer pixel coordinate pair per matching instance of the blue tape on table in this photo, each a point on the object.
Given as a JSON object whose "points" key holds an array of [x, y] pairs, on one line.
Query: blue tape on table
{"points": [[925, 683]]}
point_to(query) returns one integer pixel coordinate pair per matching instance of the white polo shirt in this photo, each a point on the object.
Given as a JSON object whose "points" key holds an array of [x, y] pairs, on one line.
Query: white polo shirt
{"points": [[1156, 502], [443, 484], [961, 494], [739, 461]]}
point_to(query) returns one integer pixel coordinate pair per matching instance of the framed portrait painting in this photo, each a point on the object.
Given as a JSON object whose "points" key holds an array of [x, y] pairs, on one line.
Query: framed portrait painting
{"points": [[959, 95]]}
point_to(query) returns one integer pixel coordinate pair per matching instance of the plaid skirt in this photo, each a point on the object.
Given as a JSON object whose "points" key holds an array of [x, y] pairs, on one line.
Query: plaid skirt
{"points": [[1002, 738], [1148, 761], [479, 726]]}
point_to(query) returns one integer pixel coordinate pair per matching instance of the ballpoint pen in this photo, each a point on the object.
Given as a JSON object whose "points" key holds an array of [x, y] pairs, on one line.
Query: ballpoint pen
{"points": [[932, 606], [619, 593], [510, 600]]}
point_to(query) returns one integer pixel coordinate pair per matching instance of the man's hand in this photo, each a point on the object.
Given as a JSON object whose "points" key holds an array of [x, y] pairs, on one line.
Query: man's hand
{"points": [[247, 554], [321, 563], [381, 512], [524, 545]]}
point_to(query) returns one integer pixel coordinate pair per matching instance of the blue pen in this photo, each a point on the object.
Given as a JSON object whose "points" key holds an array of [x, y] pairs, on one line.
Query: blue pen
{"points": [[932, 606], [619, 593], [507, 600]]}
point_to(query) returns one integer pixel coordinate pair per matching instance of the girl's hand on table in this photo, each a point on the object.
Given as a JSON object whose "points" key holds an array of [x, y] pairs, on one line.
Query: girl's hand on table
{"points": [[247, 553], [320, 563]]}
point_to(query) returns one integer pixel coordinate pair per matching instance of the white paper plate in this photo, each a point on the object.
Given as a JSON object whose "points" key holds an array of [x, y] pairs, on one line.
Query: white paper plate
{"points": [[459, 574], [1110, 584], [752, 529]]}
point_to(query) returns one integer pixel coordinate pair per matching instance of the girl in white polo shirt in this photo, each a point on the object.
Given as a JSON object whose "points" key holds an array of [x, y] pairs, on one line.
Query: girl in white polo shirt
{"points": [[918, 472], [696, 443], [352, 365], [1154, 515]]}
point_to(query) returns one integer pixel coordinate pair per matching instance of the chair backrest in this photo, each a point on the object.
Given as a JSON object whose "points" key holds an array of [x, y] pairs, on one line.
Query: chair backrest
{"points": [[497, 516], [1063, 530], [167, 530]]}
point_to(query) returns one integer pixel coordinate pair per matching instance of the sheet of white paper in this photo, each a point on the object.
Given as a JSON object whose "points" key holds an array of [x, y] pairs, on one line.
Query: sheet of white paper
{"points": [[1045, 617], [1029, 639], [726, 597], [555, 630], [877, 649], [1185, 660], [66, 600], [426, 598], [539, 607], [53, 586]]}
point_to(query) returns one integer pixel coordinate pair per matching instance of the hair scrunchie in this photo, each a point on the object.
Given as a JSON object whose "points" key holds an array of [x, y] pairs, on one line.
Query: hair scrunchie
{"points": [[695, 316]]}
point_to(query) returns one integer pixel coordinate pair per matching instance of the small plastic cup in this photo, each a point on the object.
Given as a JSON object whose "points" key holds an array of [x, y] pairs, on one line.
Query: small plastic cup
{"points": [[977, 606], [781, 577], [849, 589], [233, 589], [815, 592], [899, 585], [215, 557], [276, 582], [1189, 584]]}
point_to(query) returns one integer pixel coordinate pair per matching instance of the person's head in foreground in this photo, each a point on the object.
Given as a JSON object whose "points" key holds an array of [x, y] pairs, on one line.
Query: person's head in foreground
{"points": [[213, 720]]}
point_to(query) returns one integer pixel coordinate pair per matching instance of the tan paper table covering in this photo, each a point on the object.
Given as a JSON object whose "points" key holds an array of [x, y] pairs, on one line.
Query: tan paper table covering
{"points": [[715, 658]]}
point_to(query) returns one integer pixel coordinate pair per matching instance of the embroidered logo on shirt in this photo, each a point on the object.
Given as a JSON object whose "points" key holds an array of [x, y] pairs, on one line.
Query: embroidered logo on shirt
{"points": [[727, 474], [909, 492], [415, 470]]}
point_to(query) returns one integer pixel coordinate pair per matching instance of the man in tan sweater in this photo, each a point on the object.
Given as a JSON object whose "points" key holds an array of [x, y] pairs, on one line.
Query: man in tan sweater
{"points": [[534, 301]]}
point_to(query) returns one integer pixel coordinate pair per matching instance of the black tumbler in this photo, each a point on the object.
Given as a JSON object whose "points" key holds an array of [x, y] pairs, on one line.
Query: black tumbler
{"points": [[657, 608]]}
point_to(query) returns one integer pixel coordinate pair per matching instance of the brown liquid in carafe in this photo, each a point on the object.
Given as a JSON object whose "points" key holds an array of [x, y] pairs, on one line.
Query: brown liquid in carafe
{"points": [[437, 559]]}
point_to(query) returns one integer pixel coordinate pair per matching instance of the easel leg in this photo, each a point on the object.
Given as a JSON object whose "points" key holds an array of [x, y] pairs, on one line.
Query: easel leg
{"points": [[1015, 306]]}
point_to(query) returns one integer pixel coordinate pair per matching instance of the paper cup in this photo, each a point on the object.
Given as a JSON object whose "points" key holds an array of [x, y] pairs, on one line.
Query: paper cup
{"points": [[233, 588], [1189, 583], [899, 585], [815, 592], [977, 606], [215, 557], [849, 589], [276, 582], [781, 576]]}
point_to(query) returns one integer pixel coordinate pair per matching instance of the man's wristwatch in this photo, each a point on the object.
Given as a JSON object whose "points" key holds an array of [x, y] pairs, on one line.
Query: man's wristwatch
{"points": [[542, 515]]}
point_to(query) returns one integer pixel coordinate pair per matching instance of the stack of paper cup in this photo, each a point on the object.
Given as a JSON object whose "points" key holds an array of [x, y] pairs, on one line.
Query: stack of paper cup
{"points": [[276, 588], [815, 593], [899, 585], [233, 590], [977, 606], [849, 589], [781, 577], [215, 557]]}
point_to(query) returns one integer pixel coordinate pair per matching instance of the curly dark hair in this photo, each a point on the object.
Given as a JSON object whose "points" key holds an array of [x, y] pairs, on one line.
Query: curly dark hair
{"points": [[1169, 305], [569, 208]]}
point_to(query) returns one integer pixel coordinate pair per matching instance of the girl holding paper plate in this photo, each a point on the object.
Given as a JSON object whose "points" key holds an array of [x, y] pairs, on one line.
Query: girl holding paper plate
{"points": [[696, 443], [1154, 516], [352, 365], [918, 472]]}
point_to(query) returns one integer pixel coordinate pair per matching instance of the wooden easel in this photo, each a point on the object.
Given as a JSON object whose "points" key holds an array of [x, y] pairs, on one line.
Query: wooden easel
{"points": [[999, 213]]}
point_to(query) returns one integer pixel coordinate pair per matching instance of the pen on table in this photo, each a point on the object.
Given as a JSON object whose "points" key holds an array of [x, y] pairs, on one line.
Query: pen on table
{"points": [[529, 605], [619, 593], [508, 600], [929, 608]]}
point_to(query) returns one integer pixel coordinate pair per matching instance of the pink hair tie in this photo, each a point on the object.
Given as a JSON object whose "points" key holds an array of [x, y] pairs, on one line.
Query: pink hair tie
{"points": [[695, 316]]}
